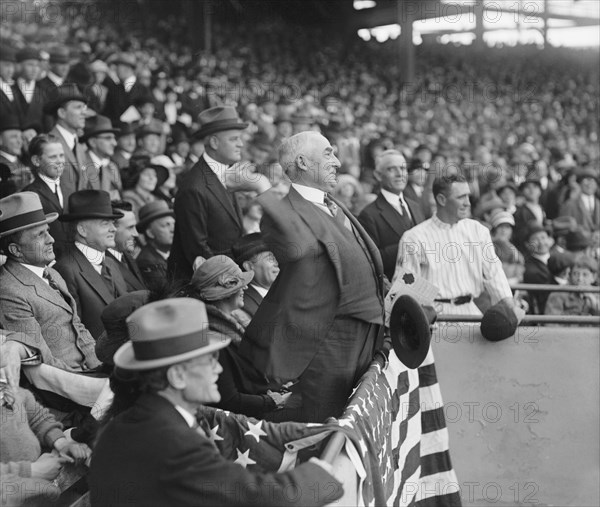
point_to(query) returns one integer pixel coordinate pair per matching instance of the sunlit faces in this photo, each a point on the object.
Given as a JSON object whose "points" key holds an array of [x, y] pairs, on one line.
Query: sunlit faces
{"points": [[11, 141], [201, 376], [103, 144], [151, 143], [30, 69], [97, 233], [265, 267], [588, 186], [539, 243], [531, 192], [147, 179], [126, 232], [582, 276], [126, 143], [391, 173], [51, 163], [227, 146], [34, 246], [72, 113], [503, 232], [160, 232], [456, 204], [322, 164]]}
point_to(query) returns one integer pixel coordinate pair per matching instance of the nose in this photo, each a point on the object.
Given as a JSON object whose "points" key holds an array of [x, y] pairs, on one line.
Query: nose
{"points": [[218, 368], [49, 238]]}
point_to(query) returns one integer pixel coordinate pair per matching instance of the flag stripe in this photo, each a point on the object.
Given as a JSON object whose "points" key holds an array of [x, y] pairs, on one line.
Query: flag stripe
{"points": [[427, 375], [433, 420], [436, 462]]}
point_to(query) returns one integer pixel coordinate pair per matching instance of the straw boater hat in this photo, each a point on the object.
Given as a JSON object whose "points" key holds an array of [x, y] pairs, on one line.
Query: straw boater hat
{"points": [[219, 277], [21, 211], [167, 332], [218, 119]]}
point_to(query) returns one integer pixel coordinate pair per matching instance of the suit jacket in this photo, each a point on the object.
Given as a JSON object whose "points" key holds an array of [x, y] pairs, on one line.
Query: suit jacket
{"points": [[118, 100], [208, 220], [153, 267], [48, 89], [423, 201], [130, 272], [9, 107], [17, 176], [148, 456], [575, 208], [252, 300], [51, 204], [48, 320], [32, 113], [386, 226], [104, 178], [88, 287], [298, 311], [537, 272], [120, 160], [73, 177], [523, 215]]}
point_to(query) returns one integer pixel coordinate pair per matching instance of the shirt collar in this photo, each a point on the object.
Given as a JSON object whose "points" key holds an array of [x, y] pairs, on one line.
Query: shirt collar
{"points": [[49, 181], [69, 137], [544, 258], [98, 162], [117, 255], [261, 290], [128, 83], [216, 167], [393, 199], [190, 419], [311, 194], [95, 257], [10, 157], [57, 80], [442, 225], [36, 270]]}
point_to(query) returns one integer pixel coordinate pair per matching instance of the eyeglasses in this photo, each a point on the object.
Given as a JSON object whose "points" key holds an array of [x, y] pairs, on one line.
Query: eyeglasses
{"points": [[211, 360]]}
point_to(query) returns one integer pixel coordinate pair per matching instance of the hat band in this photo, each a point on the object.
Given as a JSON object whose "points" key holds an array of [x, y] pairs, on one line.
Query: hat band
{"points": [[168, 347], [232, 123], [23, 219]]}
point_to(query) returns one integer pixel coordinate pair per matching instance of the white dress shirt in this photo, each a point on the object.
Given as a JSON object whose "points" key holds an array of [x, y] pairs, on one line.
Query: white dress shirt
{"points": [[128, 83], [314, 195], [57, 80], [27, 88], [54, 186], [459, 259], [36, 270], [396, 201], [6, 88], [69, 137], [13, 159], [589, 202], [95, 257], [117, 255], [261, 290]]}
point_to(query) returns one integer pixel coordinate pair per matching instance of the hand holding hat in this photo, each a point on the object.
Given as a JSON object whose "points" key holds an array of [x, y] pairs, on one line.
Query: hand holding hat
{"points": [[501, 320]]}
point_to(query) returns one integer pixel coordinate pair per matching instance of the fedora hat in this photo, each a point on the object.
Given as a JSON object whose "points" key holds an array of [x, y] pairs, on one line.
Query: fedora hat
{"points": [[149, 128], [153, 211], [7, 54], [167, 332], [59, 54], [501, 320], [410, 330], [9, 122], [124, 59], [219, 277], [587, 172], [248, 246], [218, 119], [61, 95], [88, 204], [28, 53], [21, 211], [97, 125], [530, 181]]}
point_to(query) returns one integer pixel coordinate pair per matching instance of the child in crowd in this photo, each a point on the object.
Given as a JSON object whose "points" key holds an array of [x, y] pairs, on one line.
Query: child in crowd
{"points": [[583, 273]]}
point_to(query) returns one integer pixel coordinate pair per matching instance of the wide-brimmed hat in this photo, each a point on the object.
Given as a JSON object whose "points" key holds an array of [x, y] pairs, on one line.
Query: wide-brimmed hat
{"points": [[219, 277], [61, 95], [578, 240], [149, 128], [530, 181], [501, 320], [89, 204], [587, 172], [218, 119], [99, 66], [7, 54], [153, 211], [124, 59], [9, 122], [59, 54], [559, 261], [500, 217], [410, 330], [21, 211], [532, 228], [28, 53], [98, 125], [248, 246], [114, 319], [167, 332]]}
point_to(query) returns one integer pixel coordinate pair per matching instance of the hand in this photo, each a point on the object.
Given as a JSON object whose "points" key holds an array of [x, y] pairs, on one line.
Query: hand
{"points": [[48, 466], [77, 452], [279, 399], [13, 353], [242, 176]]}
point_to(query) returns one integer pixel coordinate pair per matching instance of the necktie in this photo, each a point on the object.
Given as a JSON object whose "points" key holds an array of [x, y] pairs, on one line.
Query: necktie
{"points": [[53, 285], [335, 210], [106, 275], [404, 208]]}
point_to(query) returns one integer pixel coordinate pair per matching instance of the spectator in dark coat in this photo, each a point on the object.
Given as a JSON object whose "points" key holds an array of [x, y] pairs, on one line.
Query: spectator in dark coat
{"points": [[538, 245]]}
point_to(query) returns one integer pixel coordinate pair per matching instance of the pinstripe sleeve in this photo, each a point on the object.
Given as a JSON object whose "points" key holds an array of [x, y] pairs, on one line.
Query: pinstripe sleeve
{"points": [[494, 278]]}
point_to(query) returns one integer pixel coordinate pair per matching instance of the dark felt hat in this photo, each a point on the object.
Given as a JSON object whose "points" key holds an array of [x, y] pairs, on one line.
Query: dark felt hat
{"points": [[248, 246], [61, 95], [7, 54], [500, 321], [97, 125], [587, 172], [124, 59], [149, 129], [410, 330], [125, 129], [530, 181], [153, 211], [88, 204], [59, 54], [28, 53], [417, 163], [9, 122], [532, 228], [578, 240], [560, 261], [218, 119], [262, 141]]}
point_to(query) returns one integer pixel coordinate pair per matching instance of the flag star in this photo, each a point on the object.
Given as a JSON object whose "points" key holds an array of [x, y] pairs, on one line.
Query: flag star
{"points": [[345, 422], [255, 430], [244, 459], [363, 447], [356, 408], [214, 436]]}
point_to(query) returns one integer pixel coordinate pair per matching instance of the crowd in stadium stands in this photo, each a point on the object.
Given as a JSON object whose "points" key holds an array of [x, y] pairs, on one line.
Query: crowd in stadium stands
{"points": [[104, 128]]}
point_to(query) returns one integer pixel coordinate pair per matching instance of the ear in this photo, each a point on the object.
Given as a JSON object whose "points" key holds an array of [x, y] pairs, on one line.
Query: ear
{"points": [[81, 230], [36, 161], [61, 113], [377, 175], [176, 378], [14, 250], [213, 142], [440, 200], [247, 266], [302, 163]]}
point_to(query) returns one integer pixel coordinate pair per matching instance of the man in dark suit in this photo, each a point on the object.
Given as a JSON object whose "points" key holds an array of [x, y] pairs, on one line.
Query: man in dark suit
{"points": [[28, 94], [253, 255], [93, 279], [122, 96], [15, 174], [125, 243], [320, 321], [48, 158], [538, 245], [530, 211], [157, 451], [57, 73], [390, 215], [157, 224], [208, 219], [68, 107], [586, 207], [8, 103], [417, 190]]}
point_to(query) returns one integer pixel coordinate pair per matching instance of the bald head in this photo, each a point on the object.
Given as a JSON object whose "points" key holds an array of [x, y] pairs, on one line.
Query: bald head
{"points": [[308, 159]]}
